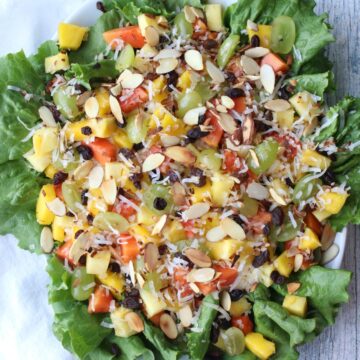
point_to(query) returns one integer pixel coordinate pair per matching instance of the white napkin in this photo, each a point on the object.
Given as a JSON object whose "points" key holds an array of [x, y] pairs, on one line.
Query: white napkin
{"points": [[26, 317]]}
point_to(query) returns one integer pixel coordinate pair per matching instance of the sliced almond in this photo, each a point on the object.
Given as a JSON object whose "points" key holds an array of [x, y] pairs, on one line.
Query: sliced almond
{"points": [[109, 191], [254, 158], [214, 72], [151, 256], [194, 59], [152, 162], [132, 80], [279, 199], [200, 275], [134, 321], [167, 54], [83, 170], [298, 261], [46, 240], [221, 108], [196, 211], [78, 247], [277, 105], [148, 52], [292, 287], [197, 257], [181, 155], [215, 234], [91, 107], [159, 225], [192, 116], [249, 65], [257, 52], [168, 326], [194, 288], [189, 14], [179, 194], [140, 280], [96, 177], [227, 123], [169, 140], [257, 191], [327, 237], [82, 98], [228, 102], [116, 109], [267, 78], [225, 300], [248, 130], [116, 90], [233, 229], [132, 273], [46, 116], [185, 315], [330, 254], [57, 207], [167, 65], [152, 36]]}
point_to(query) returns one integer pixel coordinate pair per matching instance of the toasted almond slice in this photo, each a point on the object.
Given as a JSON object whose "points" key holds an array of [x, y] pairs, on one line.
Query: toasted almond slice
{"points": [[96, 177], [185, 315], [257, 191], [148, 52], [132, 273], [132, 80], [327, 237], [197, 257], [228, 102], [152, 36], [159, 225], [46, 116], [254, 157], [257, 52], [168, 326], [267, 78], [194, 288], [82, 98], [181, 155], [194, 59], [292, 287], [198, 12], [248, 130], [116, 109], [253, 26], [167, 65], [214, 72], [330, 254], [167, 54], [277, 105], [249, 65], [78, 247], [152, 162], [200, 275], [178, 193], [233, 229], [196, 211], [192, 116], [151, 256], [227, 123], [57, 207], [225, 300], [83, 170], [221, 108], [189, 14], [298, 261], [91, 107], [215, 234], [109, 191], [46, 240], [116, 90], [140, 280], [279, 199], [169, 140], [134, 321]]}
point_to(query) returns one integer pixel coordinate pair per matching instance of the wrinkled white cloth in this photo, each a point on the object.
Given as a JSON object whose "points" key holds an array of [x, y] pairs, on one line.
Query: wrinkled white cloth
{"points": [[25, 316]]}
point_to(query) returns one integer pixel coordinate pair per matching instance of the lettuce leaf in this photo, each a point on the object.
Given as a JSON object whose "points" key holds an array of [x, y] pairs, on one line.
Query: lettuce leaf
{"points": [[246, 355]]}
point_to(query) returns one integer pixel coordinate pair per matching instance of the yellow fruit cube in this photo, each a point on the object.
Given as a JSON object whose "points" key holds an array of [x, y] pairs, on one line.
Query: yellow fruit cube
{"points": [[96, 206], [285, 118], [332, 202], [71, 36], [43, 215], [223, 249], [73, 131], [309, 241], [102, 96], [265, 275], [184, 81], [160, 92], [45, 140], [220, 189], [121, 139], [115, 282], [153, 304], [99, 263], [105, 127], [264, 34], [117, 171], [57, 62], [214, 17], [321, 215], [146, 217], [174, 231], [50, 171], [201, 194], [284, 264], [259, 346], [147, 20], [305, 105], [121, 326], [239, 307], [38, 162], [296, 305], [314, 159], [140, 233], [60, 225]]}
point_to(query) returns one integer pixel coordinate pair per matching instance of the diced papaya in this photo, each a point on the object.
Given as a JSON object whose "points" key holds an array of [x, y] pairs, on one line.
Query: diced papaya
{"points": [[100, 301], [129, 248], [130, 35], [104, 151], [276, 62]]}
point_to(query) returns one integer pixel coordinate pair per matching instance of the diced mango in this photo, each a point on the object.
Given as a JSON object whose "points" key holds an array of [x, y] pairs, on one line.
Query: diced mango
{"points": [[105, 127], [259, 346], [99, 263], [223, 249], [305, 105], [332, 202], [38, 162], [321, 215], [153, 304], [59, 226], [146, 217], [43, 215], [284, 264], [264, 34], [239, 307], [117, 171], [50, 171], [73, 130], [102, 96], [45, 140], [200, 194], [309, 241], [174, 231], [57, 63], [285, 118], [115, 282], [184, 81], [71, 36], [314, 159], [220, 189], [121, 326], [214, 17], [296, 305]]}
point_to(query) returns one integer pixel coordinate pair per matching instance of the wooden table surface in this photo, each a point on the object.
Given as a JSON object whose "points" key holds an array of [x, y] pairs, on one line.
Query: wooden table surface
{"points": [[342, 341]]}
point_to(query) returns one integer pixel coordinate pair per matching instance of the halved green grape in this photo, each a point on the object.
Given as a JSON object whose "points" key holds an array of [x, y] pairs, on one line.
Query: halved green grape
{"points": [[137, 127], [110, 221], [158, 199], [126, 58], [305, 189], [285, 233], [266, 153], [209, 160], [71, 194], [232, 341], [66, 103], [227, 50], [81, 284], [153, 280], [203, 88], [182, 26], [283, 35], [250, 206], [188, 101], [67, 162]]}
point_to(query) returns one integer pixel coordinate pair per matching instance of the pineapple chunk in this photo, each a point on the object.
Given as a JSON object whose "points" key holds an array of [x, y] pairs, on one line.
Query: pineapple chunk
{"points": [[59, 226], [265, 275], [220, 189], [285, 118], [45, 140], [314, 159], [153, 304], [159, 89], [199, 194], [146, 217], [38, 162], [296, 305], [284, 264], [103, 96], [105, 127], [239, 307], [50, 171], [56, 63], [174, 231], [121, 139], [117, 171], [309, 241], [147, 20], [264, 34], [259, 346], [143, 235], [43, 215], [223, 249], [214, 17], [115, 282], [305, 105], [97, 205], [333, 202], [99, 263], [121, 327], [73, 130], [184, 81], [71, 36]]}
